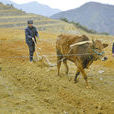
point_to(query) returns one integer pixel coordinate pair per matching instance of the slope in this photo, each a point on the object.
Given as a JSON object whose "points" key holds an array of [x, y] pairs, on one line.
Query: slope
{"points": [[96, 16]]}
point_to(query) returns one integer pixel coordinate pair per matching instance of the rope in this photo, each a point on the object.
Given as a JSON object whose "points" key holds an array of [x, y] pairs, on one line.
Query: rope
{"points": [[5, 40], [50, 55]]}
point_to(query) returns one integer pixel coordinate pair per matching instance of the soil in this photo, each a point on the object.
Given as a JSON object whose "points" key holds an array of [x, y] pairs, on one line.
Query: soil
{"points": [[27, 88]]}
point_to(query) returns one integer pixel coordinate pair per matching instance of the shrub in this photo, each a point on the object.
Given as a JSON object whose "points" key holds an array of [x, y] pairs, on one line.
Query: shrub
{"points": [[64, 19], [78, 25]]}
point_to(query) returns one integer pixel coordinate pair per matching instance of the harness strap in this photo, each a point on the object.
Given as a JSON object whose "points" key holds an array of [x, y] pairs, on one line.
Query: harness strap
{"points": [[98, 52]]}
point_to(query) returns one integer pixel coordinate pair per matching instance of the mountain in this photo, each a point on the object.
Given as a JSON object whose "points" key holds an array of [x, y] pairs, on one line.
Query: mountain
{"points": [[96, 16], [33, 7], [36, 8], [6, 1]]}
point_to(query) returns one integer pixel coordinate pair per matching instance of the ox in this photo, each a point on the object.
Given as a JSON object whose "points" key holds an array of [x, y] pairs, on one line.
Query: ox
{"points": [[79, 50]]}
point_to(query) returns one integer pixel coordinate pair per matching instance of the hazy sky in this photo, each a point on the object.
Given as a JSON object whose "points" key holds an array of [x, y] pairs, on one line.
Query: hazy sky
{"points": [[64, 4]]}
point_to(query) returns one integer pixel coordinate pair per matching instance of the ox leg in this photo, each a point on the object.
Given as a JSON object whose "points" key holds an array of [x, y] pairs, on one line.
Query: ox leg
{"points": [[80, 68], [66, 66], [59, 60], [76, 76], [85, 77], [58, 65]]}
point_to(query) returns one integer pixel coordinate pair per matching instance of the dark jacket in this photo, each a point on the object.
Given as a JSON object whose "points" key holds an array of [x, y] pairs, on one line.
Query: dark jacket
{"points": [[113, 48], [31, 33]]}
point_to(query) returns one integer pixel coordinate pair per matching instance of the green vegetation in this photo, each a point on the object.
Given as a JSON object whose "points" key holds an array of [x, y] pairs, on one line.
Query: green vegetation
{"points": [[105, 33], [78, 25], [10, 5], [64, 19]]}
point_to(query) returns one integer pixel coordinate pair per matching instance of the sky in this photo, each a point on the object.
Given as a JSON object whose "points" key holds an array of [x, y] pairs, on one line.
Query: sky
{"points": [[64, 4]]}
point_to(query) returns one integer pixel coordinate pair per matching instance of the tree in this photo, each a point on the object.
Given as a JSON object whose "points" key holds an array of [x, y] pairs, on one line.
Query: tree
{"points": [[64, 19]]}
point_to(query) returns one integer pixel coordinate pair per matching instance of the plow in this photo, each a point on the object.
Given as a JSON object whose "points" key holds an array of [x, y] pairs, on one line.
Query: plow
{"points": [[42, 58]]}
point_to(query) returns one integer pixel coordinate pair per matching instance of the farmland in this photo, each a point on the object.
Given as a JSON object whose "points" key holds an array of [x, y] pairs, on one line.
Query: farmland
{"points": [[33, 88]]}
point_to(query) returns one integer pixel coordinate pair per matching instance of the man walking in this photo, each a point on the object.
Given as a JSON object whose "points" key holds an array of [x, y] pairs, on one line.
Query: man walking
{"points": [[31, 34]]}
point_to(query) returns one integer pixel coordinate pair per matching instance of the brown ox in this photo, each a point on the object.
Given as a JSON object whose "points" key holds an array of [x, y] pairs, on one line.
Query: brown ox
{"points": [[80, 50]]}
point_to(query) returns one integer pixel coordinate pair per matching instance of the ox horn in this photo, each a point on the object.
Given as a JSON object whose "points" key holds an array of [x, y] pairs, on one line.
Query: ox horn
{"points": [[80, 43]]}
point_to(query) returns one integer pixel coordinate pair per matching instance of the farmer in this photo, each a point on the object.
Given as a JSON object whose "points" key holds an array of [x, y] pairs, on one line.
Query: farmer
{"points": [[113, 50], [31, 34]]}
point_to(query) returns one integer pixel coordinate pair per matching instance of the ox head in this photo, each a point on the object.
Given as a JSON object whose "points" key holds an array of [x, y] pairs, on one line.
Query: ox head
{"points": [[97, 49]]}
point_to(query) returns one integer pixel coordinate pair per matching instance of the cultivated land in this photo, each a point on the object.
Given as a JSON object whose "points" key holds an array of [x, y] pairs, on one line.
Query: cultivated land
{"points": [[13, 18], [36, 89]]}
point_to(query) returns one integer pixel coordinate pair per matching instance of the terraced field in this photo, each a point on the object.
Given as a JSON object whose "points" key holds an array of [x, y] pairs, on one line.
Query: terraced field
{"points": [[13, 18]]}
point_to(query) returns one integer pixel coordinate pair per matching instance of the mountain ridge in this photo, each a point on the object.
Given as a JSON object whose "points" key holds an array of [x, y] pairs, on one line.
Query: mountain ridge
{"points": [[94, 15], [33, 7]]}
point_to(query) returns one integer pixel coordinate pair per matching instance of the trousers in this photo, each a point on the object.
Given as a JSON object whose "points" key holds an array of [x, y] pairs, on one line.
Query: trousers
{"points": [[31, 50]]}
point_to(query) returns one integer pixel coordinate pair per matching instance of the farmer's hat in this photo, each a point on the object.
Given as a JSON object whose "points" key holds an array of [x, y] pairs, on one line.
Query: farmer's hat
{"points": [[30, 21]]}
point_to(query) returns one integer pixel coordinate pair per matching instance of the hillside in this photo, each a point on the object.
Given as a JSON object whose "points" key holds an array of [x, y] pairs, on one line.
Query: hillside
{"points": [[11, 17], [96, 16], [33, 7]]}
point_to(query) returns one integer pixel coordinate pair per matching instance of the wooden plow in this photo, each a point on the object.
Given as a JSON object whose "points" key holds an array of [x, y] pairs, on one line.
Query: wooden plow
{"points": [[42, 58]]}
